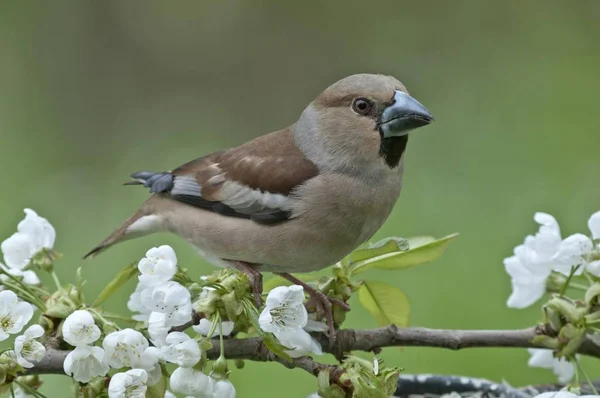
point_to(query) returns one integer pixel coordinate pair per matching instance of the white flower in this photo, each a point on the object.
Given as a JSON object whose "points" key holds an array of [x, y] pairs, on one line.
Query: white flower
{"points": [[284, 313], [79, 329], [29, 276], [300, 344], [204, 327], [189, 381], [169, 394], [223, 389], [579, 249], [135, 304], [572, 252], [14, 314], [34, 233], [130, 384], [181, 349], [171, 299], [129, 348], [542, 358], [562, 394], [158, 328], [531, 264], [159, 266], [84, 363], [28, 349]]}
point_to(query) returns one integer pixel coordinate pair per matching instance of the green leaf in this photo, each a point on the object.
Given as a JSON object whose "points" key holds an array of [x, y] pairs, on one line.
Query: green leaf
{"points": [[422, 250], [157, 390], [275, 347], [126, 274], [384, 246], [385, 302]]}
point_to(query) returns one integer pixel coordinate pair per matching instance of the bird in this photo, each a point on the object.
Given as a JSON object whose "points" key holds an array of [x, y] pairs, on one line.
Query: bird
{"points": [[295, 200]]}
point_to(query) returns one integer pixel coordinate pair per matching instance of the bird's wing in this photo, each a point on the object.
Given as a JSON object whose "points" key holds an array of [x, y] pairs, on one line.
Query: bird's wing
{"points": [[254, 181]]}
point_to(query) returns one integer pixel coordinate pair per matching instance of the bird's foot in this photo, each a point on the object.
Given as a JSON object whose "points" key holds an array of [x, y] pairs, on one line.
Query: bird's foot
{"points": [[255, 278], [321, 302]]}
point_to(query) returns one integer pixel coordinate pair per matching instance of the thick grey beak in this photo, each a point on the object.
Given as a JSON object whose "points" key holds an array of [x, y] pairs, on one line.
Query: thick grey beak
{"points": [[404, 115]]}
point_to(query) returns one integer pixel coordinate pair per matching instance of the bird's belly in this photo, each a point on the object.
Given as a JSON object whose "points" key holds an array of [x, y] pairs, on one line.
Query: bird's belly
{"points": [[277, 248], [292, 246], [323, 230]]}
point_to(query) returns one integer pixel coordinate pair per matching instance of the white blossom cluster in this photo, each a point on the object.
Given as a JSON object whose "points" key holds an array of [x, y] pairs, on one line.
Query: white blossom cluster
{"points": [[34, 233], [163, 304], [546, 252], [533, 263]]}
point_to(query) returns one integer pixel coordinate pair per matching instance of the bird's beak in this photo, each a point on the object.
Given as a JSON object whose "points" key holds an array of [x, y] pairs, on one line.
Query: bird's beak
{"points": [[404, 115]]}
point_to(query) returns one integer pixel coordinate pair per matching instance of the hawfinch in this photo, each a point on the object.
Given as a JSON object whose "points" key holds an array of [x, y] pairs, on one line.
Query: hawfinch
{"points": [[296, 200]]}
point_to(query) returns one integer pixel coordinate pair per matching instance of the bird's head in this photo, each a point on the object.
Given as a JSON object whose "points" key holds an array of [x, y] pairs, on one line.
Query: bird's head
{"points": [[360, 121]]}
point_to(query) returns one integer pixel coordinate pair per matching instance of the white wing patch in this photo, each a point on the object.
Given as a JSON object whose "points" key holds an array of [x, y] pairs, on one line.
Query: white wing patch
{"points": [[233, 194], [186, 185], [247, 200]]}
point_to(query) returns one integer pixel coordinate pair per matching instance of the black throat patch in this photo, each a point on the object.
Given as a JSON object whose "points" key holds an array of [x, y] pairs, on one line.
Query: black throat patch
{"points": [[392, 149]]}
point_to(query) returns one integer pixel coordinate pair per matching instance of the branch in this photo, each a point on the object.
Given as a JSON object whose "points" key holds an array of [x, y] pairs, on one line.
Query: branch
{"points": [[358, 340]]}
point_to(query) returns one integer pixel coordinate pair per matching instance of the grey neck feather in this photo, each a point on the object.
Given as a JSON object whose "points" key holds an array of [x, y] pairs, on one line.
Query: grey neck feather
{"points": [[315, 147]]}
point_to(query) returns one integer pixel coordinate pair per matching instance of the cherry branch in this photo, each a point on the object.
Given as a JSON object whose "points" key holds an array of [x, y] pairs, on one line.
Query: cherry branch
{"points": [[348, 340]]}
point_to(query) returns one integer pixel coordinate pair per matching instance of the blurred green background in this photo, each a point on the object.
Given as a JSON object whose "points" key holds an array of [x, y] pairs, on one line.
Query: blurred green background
{"points": [[94, 90]]}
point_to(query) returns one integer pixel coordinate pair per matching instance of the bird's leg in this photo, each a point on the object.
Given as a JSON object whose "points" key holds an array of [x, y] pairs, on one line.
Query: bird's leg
{"points": [[322, 302], [254, 276]]}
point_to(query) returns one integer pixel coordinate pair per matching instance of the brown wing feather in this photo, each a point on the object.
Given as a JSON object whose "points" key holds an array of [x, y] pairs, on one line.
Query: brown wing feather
{"points": [[253, 180], [271, 163]]}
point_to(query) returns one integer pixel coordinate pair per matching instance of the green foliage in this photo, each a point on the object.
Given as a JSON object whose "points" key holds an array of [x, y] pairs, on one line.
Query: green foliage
{"points": [[399, 253], [385, 302], [122, 277], [157, 390], [275, 347]]}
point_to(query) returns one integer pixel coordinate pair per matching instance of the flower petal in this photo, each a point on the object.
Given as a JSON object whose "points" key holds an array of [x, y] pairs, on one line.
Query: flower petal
{"points": [[594, 225], [18, 250], [41, 232], [571, 253]]}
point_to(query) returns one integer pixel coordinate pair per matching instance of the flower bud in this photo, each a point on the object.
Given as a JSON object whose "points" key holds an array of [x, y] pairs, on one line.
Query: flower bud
{"points": [[555, 282], [233, 307], [207, 302], [45, 259], [220, 369], [591, 295], [59, 311], [552, 318], [74, 295], [576, 339], [566, 308]]}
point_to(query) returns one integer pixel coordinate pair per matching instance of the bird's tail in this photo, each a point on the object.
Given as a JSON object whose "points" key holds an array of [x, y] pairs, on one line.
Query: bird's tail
{"points": [[143, 222]]}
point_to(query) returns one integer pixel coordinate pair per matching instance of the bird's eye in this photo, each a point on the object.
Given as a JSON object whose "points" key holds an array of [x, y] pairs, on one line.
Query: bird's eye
{"points": [[362, 106]]}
